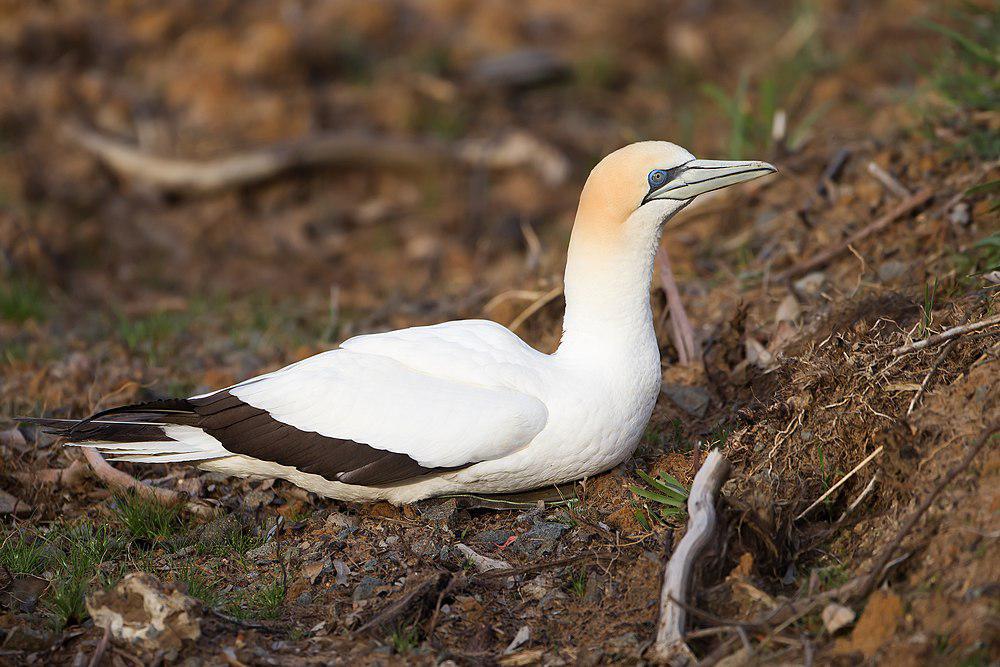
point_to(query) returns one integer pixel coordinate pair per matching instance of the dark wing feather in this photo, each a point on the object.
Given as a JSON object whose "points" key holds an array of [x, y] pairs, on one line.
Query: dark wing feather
{"points": [[244, 429]]}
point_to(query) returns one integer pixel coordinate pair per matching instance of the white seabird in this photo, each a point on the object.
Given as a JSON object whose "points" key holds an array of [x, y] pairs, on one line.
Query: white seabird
{"points": [[462, 406]]}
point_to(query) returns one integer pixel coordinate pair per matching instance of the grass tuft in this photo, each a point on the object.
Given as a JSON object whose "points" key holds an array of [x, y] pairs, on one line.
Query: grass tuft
{"points": [[21, 300], [23, 554], [966, 78], [83, 551], [404, 639], [577, 582], [665, 500], [263, 602], [200, 585], [148, 521]]}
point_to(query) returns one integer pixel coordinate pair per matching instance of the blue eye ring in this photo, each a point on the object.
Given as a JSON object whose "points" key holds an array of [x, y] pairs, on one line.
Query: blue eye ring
{"points": [[657, 177]]}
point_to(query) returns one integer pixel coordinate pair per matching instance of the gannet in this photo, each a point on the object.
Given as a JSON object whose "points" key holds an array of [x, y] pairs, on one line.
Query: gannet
{"points": [[463, 406]]}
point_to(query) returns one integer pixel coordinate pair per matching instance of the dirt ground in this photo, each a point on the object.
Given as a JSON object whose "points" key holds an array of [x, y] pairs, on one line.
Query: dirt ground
{"points": [[117, 285]]}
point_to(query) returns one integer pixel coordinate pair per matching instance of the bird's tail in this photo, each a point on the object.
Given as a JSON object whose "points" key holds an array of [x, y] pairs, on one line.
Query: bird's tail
{"points": [[161, 431]]}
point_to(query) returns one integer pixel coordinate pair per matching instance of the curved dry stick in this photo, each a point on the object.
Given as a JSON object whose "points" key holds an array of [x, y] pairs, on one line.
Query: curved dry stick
{"points": [[681, 332], [947, 334], [255, 165], [122, 480], [515, 150], [67, 476], [824, 257], [669, 646]]}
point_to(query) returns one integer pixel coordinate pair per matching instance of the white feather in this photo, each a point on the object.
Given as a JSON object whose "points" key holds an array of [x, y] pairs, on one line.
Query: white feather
{"points": [[378, 401]]}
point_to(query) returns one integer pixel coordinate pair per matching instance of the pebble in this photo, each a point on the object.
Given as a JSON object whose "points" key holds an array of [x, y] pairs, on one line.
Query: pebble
{"points": [[442, 512], [493, 538], [692, 400], [266, 551], [28, 638], [367, 588], [811, 283], [891, 269], [216, 530], [339, 520], [540, 540]]}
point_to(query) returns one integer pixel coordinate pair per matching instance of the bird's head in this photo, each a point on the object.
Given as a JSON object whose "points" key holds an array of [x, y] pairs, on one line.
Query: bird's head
{"points": [[636, 189]]}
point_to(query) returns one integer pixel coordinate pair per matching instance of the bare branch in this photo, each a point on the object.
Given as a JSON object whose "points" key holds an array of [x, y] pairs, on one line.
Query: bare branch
{"points": [[669, 646], [122, 480], [515, 150], [947, 334]]}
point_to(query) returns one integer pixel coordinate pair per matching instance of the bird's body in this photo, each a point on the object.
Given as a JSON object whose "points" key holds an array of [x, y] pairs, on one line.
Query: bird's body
{"points": [[463, 406]]}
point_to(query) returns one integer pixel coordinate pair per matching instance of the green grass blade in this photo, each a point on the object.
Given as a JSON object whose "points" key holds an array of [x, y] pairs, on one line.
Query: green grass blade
{"points": [[657, 497]]}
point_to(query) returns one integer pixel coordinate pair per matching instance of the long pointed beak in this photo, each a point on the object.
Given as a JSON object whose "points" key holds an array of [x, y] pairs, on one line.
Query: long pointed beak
{"points": [[700, 176]]}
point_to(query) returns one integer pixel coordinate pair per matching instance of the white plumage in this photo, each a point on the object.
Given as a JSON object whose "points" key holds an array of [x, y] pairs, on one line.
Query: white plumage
{"points": [[459, 406]]}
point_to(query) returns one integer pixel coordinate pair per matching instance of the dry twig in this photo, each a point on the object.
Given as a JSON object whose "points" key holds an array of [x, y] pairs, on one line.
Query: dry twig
{"points": [[841, 482], [947, 334], [399, 607], [122, 480], [102, 646], [482, 563], [888, 181], [669, 645], [681, 333], [329, 149], [67, 476], [821, 259], [537, 305]]}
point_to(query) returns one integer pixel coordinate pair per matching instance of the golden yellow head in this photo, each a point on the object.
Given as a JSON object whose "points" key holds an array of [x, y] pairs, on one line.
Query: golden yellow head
{"points": [[657, 179]]}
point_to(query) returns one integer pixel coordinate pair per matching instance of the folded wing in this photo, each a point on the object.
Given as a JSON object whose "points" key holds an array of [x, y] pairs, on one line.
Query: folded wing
{"points": [[349, 416]]}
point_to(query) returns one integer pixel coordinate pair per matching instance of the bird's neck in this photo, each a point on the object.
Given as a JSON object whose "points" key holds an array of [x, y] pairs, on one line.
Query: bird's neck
{"points": [[608, 274]]}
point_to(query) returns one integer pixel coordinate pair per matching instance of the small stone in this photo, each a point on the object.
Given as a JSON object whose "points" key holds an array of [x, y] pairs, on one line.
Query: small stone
{"points": [[811, 283], [518, 69], [337, 520], [757, 354], [267, 551], [788, 310], [540, 540], [522, 637], [837, 616], [312, 571], [343, 572], [14, 439], [493, 538], [692, 400], [424, 545], [595, 588], [215, 531], [627, 644], [13, 505], [959, 214], [22, 593], [305, 599], [441, 512], [538, 588], [29, 638], [256, 499], [891, 269], [367, 588]]}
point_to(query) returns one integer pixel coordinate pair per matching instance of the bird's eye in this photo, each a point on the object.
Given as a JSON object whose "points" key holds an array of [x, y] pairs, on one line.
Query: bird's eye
{"points": [[657, 177]]}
